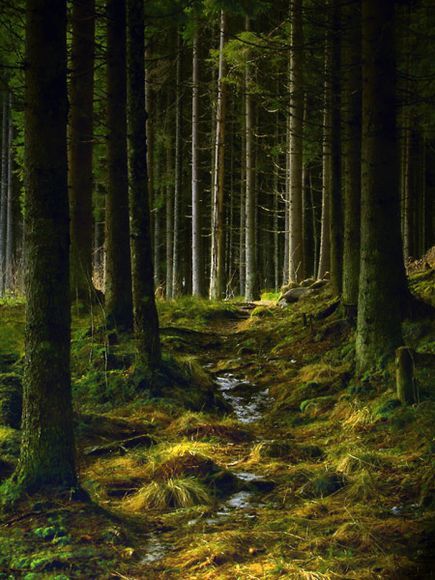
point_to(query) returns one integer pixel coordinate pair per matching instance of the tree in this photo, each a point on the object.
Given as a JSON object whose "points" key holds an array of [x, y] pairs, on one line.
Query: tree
{"points": [[295, 253], [197, 266], [382, 282], [118, 303], [351, 51], [81, 146], [251, 287], [217, 228], [47, 444], [146, 321]]}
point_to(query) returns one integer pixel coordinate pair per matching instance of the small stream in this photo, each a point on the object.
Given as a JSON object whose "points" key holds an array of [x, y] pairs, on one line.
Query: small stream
{"points": [[248, 406]]}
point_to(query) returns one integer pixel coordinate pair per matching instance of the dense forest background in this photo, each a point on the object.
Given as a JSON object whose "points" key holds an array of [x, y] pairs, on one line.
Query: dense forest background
{"points": [[217, 288]]}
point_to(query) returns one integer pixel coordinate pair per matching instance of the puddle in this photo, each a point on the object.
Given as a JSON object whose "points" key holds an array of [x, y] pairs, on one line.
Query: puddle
{"points": [[156, 549], [247, 404]]}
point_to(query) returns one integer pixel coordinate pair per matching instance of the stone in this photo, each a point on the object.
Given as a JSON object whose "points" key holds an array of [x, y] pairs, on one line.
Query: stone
{"points": [[294, 294]]}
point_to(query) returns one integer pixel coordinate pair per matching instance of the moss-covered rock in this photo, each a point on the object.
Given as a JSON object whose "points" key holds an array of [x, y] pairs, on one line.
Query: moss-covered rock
{"points": [[11, 400]]}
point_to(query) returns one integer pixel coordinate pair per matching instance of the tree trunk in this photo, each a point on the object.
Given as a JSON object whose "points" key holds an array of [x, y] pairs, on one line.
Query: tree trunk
{"points": [[47, 444], [81, 146], [382, 287], [176, 270], [218, 217], [146, 323], [296, 244], [351, 157], [405, 380], [10, 207], [335, 215], [197, 269], [119, 308], [251, 287], [324, 256], [3, 193]]}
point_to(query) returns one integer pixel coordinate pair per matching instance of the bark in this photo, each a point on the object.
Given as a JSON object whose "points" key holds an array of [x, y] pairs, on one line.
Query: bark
{"points": [[169, 221], [47, 444], [176, 259], [9, 207], [146, 323], [251, 287], [119, 308], [218, 216], [81, 146], [351, 157], [405, 379], [197, 269], [3, 193], [296, 143], [382, 283], [336, 211], [324, 255]]}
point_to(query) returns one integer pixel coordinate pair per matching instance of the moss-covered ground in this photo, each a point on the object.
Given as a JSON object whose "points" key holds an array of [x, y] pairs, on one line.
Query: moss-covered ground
{"points": [[259, 456]]}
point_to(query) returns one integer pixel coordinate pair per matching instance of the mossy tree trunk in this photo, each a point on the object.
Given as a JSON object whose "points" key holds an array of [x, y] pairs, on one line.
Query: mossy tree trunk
{"points": [[81, 146], [119, 308], [146, 321], [382, 283], [47, 446]]}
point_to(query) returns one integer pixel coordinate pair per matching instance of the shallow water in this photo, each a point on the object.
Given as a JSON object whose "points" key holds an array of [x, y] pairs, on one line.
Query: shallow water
{"points": [[247, 404]]}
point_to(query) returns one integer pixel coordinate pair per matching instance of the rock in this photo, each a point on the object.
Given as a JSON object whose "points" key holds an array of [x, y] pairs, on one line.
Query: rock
{"points": [[295, 294], [11, 400], [308, 282], [318, 284], [261, 485], [286, 287]]}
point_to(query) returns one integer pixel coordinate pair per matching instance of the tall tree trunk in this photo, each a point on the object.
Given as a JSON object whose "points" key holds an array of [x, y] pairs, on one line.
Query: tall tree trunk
{"points": [[47, 444], [218, 217], [146, 323], [296, 142], [176, 260], [197, 269], [251, 288], [9, 207], [324, 257], [169, 204], [3, 192], [119, 307], [81, 146], [336, 210], [382, 288], [351, 52]]}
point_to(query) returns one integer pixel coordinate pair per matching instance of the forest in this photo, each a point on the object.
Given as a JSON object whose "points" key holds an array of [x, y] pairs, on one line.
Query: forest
{"points": [[217, 289]]}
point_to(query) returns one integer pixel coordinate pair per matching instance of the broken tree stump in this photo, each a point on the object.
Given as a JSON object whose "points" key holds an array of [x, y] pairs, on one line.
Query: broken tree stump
{"points": [[405, 379]]}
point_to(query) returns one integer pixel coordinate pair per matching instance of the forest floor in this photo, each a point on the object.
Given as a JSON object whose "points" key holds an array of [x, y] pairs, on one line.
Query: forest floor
{"points": [[261, 456]]}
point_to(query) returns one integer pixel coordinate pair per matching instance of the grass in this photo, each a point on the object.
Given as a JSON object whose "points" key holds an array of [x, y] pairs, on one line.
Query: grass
{"points": [[174, 492]]}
